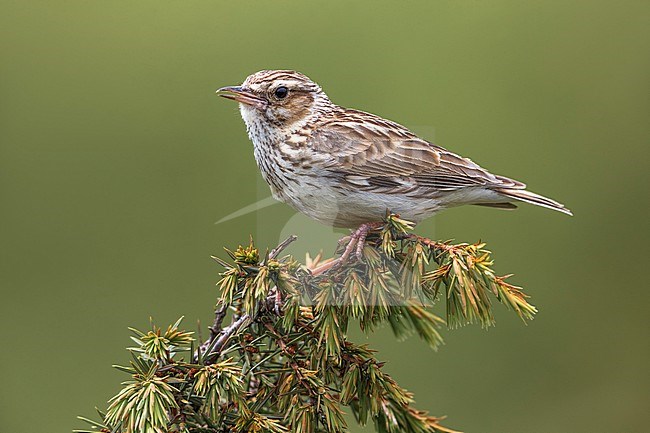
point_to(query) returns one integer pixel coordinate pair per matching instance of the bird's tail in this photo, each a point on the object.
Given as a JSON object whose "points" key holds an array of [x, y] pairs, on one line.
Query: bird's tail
{"points": [[532, 198]]}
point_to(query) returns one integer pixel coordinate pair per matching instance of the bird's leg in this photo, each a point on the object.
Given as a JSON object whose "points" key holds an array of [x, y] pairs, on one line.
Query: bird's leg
{"points": [[353, 239], [362, 235], [356, 242]]}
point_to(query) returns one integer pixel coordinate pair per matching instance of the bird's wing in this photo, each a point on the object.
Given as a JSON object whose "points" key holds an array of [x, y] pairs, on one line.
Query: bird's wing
{"points": [[377, 154]]}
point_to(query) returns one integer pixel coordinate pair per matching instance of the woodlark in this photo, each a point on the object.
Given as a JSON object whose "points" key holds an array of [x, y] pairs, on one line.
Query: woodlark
{"points": [[347, 168]]}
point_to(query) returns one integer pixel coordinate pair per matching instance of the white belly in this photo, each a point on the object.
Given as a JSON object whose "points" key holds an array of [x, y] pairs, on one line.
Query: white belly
{"points": [[329, 204]]}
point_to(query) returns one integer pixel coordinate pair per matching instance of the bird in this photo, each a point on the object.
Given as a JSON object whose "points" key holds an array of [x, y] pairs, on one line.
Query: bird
{"points": [[348, 168]]}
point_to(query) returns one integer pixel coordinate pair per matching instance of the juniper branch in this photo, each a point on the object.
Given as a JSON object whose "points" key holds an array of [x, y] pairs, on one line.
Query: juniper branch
{"points": [[211, 348], [215, 330], [275, 252], [289, 366]]}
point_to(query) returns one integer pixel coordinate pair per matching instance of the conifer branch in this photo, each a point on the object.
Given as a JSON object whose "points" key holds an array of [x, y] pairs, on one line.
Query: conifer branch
{"points": [[284, 362]]}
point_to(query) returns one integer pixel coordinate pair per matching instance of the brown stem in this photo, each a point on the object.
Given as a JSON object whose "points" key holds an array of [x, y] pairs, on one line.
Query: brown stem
{"points": [[214, 348], [281, 246]]}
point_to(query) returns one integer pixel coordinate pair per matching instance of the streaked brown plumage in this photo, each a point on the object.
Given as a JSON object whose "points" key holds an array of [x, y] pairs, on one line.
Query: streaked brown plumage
{"points": [[345, 167]]}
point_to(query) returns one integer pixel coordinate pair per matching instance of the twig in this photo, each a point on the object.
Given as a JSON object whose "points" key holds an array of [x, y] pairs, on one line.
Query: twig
{"points": [[213, 350], [219, 315], [227, 333], [426, 241], [285, 243], [215, 330]]}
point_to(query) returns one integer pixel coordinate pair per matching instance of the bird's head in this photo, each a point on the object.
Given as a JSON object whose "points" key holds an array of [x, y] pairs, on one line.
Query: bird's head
{"points": [[277, 98]]}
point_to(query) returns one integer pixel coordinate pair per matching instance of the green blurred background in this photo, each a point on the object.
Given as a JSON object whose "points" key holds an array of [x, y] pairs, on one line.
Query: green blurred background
{"points": [[116, 159]]}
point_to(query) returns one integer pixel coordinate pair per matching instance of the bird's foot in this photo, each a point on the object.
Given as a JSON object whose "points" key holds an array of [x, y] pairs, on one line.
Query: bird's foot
{"points": [[362, 234], [344, 240], [355, 243]]}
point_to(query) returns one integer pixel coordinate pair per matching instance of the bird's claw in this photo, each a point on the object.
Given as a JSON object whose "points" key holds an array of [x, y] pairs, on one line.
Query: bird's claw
{"points": [[344, 240]]}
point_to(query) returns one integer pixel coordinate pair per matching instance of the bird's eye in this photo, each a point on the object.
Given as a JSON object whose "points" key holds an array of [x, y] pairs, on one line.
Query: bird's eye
{"points": [[281, 92]]}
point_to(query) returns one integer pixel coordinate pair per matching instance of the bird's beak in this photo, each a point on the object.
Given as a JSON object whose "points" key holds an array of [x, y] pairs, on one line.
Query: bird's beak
{"points": [[236, 93]]}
